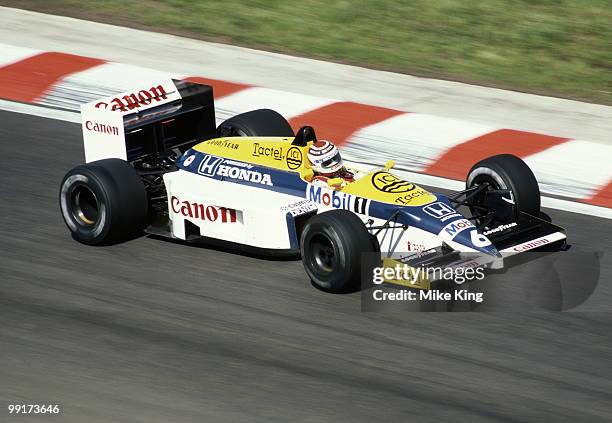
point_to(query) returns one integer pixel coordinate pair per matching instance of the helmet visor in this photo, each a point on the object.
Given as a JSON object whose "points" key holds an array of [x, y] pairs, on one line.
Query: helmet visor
{"points": [[331, 162]]}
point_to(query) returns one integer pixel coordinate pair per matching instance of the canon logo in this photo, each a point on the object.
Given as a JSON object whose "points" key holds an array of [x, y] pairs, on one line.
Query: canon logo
{"points": [[101, 127], [202, 212], [135, 100], [531, 245]]}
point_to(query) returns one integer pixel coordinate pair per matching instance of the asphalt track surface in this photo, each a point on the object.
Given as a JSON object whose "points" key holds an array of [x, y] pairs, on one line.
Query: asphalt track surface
{"points": [[154, 331]]}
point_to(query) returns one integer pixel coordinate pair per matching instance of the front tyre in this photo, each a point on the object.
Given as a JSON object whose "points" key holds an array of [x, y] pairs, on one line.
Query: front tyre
{"points": [[333, 244], [103, 202], [516, 184]]}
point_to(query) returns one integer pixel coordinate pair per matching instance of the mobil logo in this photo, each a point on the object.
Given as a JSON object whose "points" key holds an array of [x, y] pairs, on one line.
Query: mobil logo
{"points": [[329, 198], [451, 230], [337, 200]]}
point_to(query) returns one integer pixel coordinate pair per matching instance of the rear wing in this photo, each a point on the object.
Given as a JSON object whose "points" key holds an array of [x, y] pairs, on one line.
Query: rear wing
{"points": [[151, 119]]}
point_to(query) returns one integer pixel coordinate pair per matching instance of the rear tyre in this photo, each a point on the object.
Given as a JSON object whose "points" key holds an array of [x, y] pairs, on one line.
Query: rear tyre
{"points": [[333, 244], [505, 172], [256, 123], [103, 202]]}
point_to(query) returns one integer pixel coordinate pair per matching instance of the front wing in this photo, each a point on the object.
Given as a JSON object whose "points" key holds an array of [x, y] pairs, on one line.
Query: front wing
{"points": [[529, 234]]}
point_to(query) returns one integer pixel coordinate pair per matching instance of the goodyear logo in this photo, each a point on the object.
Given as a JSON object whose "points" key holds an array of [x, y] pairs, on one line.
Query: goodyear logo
{"points": [[386, 182], [224, 144]]}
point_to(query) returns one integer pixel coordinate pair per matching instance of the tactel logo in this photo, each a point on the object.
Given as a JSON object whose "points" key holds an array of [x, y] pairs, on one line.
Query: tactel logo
{"points": [[407, 198], [275, 153]]}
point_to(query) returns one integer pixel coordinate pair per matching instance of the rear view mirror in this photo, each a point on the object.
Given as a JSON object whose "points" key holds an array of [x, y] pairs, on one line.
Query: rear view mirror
{"points": [[334, 182], [390, 164]]}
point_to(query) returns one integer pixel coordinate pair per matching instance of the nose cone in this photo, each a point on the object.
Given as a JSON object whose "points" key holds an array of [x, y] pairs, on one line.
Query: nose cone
{"points": [[440, 217], [472, 238]]}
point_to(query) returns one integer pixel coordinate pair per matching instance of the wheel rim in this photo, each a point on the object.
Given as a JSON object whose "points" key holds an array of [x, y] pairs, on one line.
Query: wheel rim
{"points": [[84, 205], [323, 253], [491, 185], [487, 201]]}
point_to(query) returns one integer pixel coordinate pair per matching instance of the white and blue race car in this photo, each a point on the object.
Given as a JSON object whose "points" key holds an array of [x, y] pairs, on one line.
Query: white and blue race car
{"points": [[157, 162]]}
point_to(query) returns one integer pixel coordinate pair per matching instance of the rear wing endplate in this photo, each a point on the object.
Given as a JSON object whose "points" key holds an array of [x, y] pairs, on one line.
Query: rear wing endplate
{"points": [[153, 118]]}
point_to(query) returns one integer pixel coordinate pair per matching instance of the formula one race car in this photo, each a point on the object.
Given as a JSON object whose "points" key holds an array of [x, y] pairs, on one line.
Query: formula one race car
{"points": [[158, 163]]}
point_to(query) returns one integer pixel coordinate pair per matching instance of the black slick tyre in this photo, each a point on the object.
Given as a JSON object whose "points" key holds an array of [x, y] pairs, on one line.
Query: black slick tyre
{"points": [[256, 123], [333, 244], [103, 202], [506, 172]]}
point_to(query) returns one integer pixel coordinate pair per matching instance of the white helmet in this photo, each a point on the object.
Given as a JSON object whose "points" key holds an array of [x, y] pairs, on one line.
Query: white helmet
{"points": [[325, 157]]}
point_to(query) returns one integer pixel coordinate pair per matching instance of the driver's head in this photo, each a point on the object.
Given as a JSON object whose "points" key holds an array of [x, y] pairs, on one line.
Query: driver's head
{"points": [[325, 158]]}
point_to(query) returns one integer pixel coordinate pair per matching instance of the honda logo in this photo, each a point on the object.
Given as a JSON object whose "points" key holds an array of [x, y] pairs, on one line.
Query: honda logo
{"points": [[209, 165], [438, 210]]}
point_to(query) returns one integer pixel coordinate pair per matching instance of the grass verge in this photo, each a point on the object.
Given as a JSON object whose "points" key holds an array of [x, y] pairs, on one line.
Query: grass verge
{"points": [[552, 47]]}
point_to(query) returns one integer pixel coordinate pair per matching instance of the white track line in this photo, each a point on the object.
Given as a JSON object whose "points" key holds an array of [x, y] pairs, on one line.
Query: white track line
{"points": [[100, 81], [418, 178], [575, 168], [420, 138], [287, 104], [45, 112], [13, 54], [548, 202]]}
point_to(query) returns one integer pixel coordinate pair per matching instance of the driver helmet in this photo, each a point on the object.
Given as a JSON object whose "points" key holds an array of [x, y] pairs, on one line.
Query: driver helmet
{"points": [[325, 158]]}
